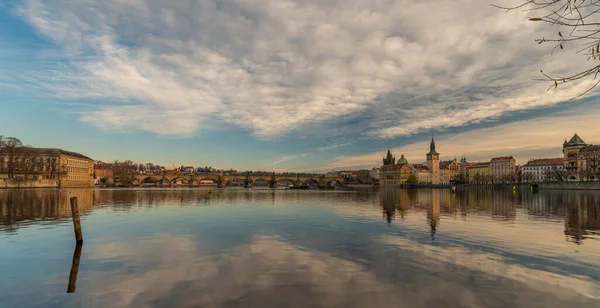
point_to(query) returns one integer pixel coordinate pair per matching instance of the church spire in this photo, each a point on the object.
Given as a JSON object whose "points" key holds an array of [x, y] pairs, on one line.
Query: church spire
{"points": [[432, 147]]}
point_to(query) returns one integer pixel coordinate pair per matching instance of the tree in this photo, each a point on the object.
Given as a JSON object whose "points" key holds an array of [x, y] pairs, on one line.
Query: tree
{"points": [[555, 174], [9, 148], [526, 177], [55, 169], [577, 25], [124, 170], [412, 179], [28, 162]]}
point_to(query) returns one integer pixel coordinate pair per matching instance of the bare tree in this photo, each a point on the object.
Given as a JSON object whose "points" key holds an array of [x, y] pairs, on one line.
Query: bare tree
{"points": [[124, 170], [9, 148], [28, 162], [580, 27], [555, 174], [526, 177]]}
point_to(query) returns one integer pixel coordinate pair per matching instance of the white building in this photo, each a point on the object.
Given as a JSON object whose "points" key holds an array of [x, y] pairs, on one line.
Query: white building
{"points": [[374, 173], [542, 170]]}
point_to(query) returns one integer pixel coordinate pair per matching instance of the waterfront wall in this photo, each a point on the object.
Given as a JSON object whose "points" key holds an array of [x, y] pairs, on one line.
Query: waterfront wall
{"points": [[41, 183], [571, 186]]}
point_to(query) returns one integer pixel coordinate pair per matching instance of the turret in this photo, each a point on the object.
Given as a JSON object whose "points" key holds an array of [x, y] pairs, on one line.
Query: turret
{"points": [[389, 159]]}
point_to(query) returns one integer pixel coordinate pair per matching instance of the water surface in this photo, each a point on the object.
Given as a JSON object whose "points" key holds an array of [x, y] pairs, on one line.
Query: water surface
{"points": [[275, 248]]}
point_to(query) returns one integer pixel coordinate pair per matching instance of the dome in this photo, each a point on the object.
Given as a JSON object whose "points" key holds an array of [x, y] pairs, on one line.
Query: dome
{"points": [[402, 160]]}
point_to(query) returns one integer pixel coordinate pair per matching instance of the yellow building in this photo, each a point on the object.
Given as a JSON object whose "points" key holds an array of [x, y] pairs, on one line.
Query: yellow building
{"points": [[64, 168], [480, 173], [391, 174], [449, 171]]}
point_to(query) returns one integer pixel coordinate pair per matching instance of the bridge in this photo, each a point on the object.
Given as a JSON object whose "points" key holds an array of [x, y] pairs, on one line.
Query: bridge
{"points": [[220, 180]]}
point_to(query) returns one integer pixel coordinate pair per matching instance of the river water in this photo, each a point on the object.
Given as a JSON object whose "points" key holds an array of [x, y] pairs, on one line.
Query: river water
{"points": [[276, 248]]}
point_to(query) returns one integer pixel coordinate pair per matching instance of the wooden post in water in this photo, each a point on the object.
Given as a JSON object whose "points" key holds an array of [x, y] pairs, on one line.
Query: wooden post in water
{"points": [[74, 268], [76, 221]]}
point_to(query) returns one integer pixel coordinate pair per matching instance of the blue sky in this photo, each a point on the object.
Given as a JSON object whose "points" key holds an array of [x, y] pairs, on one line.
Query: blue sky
{"points": [[284, 85]]}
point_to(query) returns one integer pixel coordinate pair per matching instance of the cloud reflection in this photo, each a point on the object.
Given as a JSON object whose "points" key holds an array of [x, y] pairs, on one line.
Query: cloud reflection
{"points": [[169, 271]]}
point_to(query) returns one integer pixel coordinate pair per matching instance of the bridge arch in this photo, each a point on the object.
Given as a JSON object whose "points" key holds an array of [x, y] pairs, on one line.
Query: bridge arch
{"points": [[284, 182], [179, 181], [206, 181], [260, 181], [334, 183], [235, 181], [311, 182], [149, 181]]}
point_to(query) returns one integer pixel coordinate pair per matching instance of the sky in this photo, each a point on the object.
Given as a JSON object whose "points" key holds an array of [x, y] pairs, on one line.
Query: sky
{"points": [[293, 85]]}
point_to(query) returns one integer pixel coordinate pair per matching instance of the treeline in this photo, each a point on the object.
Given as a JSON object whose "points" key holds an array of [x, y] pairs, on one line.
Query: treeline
{"points": [[18, 160], [127, 169]]}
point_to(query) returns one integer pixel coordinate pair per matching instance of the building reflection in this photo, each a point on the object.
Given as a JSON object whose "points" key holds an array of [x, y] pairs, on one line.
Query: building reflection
{"points": [[20, 206], [433, 212], [582, 217], [580, 210]]}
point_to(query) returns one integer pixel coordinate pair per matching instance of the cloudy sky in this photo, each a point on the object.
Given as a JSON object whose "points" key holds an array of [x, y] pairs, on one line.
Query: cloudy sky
{"points": [[285, 84]]}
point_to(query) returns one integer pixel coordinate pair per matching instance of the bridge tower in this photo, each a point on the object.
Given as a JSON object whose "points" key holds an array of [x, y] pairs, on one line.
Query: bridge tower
{"points": [[248, 181], [273, 181]]}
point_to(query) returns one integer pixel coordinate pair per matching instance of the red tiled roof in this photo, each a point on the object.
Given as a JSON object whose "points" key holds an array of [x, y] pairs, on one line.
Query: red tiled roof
{"points": [[420, 167], [481, 165], [544, 161], [393, 167], [502, 158]]}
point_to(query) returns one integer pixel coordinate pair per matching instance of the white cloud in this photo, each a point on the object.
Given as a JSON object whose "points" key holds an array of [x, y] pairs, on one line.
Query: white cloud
{"points": [[497, 265], [524, 140], [284, 159], [276, 66], [334, 146], [270, 271]]}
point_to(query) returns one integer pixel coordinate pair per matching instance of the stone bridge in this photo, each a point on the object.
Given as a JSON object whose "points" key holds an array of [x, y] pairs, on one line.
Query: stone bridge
{"points": [[219, 180]]}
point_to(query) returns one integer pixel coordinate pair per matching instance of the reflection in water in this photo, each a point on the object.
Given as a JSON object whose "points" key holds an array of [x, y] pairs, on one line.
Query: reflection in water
{"points": [[25, 206], [74, 268], [253, 248], [580, 210]]}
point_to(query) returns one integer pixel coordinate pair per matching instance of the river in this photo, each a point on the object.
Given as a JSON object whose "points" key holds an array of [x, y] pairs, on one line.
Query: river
{"points": [[301, 248]]}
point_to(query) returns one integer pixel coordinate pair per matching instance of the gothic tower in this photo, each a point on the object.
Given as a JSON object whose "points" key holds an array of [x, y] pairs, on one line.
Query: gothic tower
{"points": [[433, 163], [389, 159]]}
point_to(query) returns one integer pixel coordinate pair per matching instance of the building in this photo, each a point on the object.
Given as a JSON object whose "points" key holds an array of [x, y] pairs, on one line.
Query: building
{"points": [[574, 163], [374, 173], [543, 170], [591, 155], [348, 174], [464, 169], [421, 172], [389, 159], [332, 174], [581, 160], [103, 173], [189, 169], [502, 169], [67, 169], [449, 171], [392, 174], [433, 163], [480, 173]]}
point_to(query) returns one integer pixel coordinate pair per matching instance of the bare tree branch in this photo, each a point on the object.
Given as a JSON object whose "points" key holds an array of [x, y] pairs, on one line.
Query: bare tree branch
{"points": [[577, 16]]}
